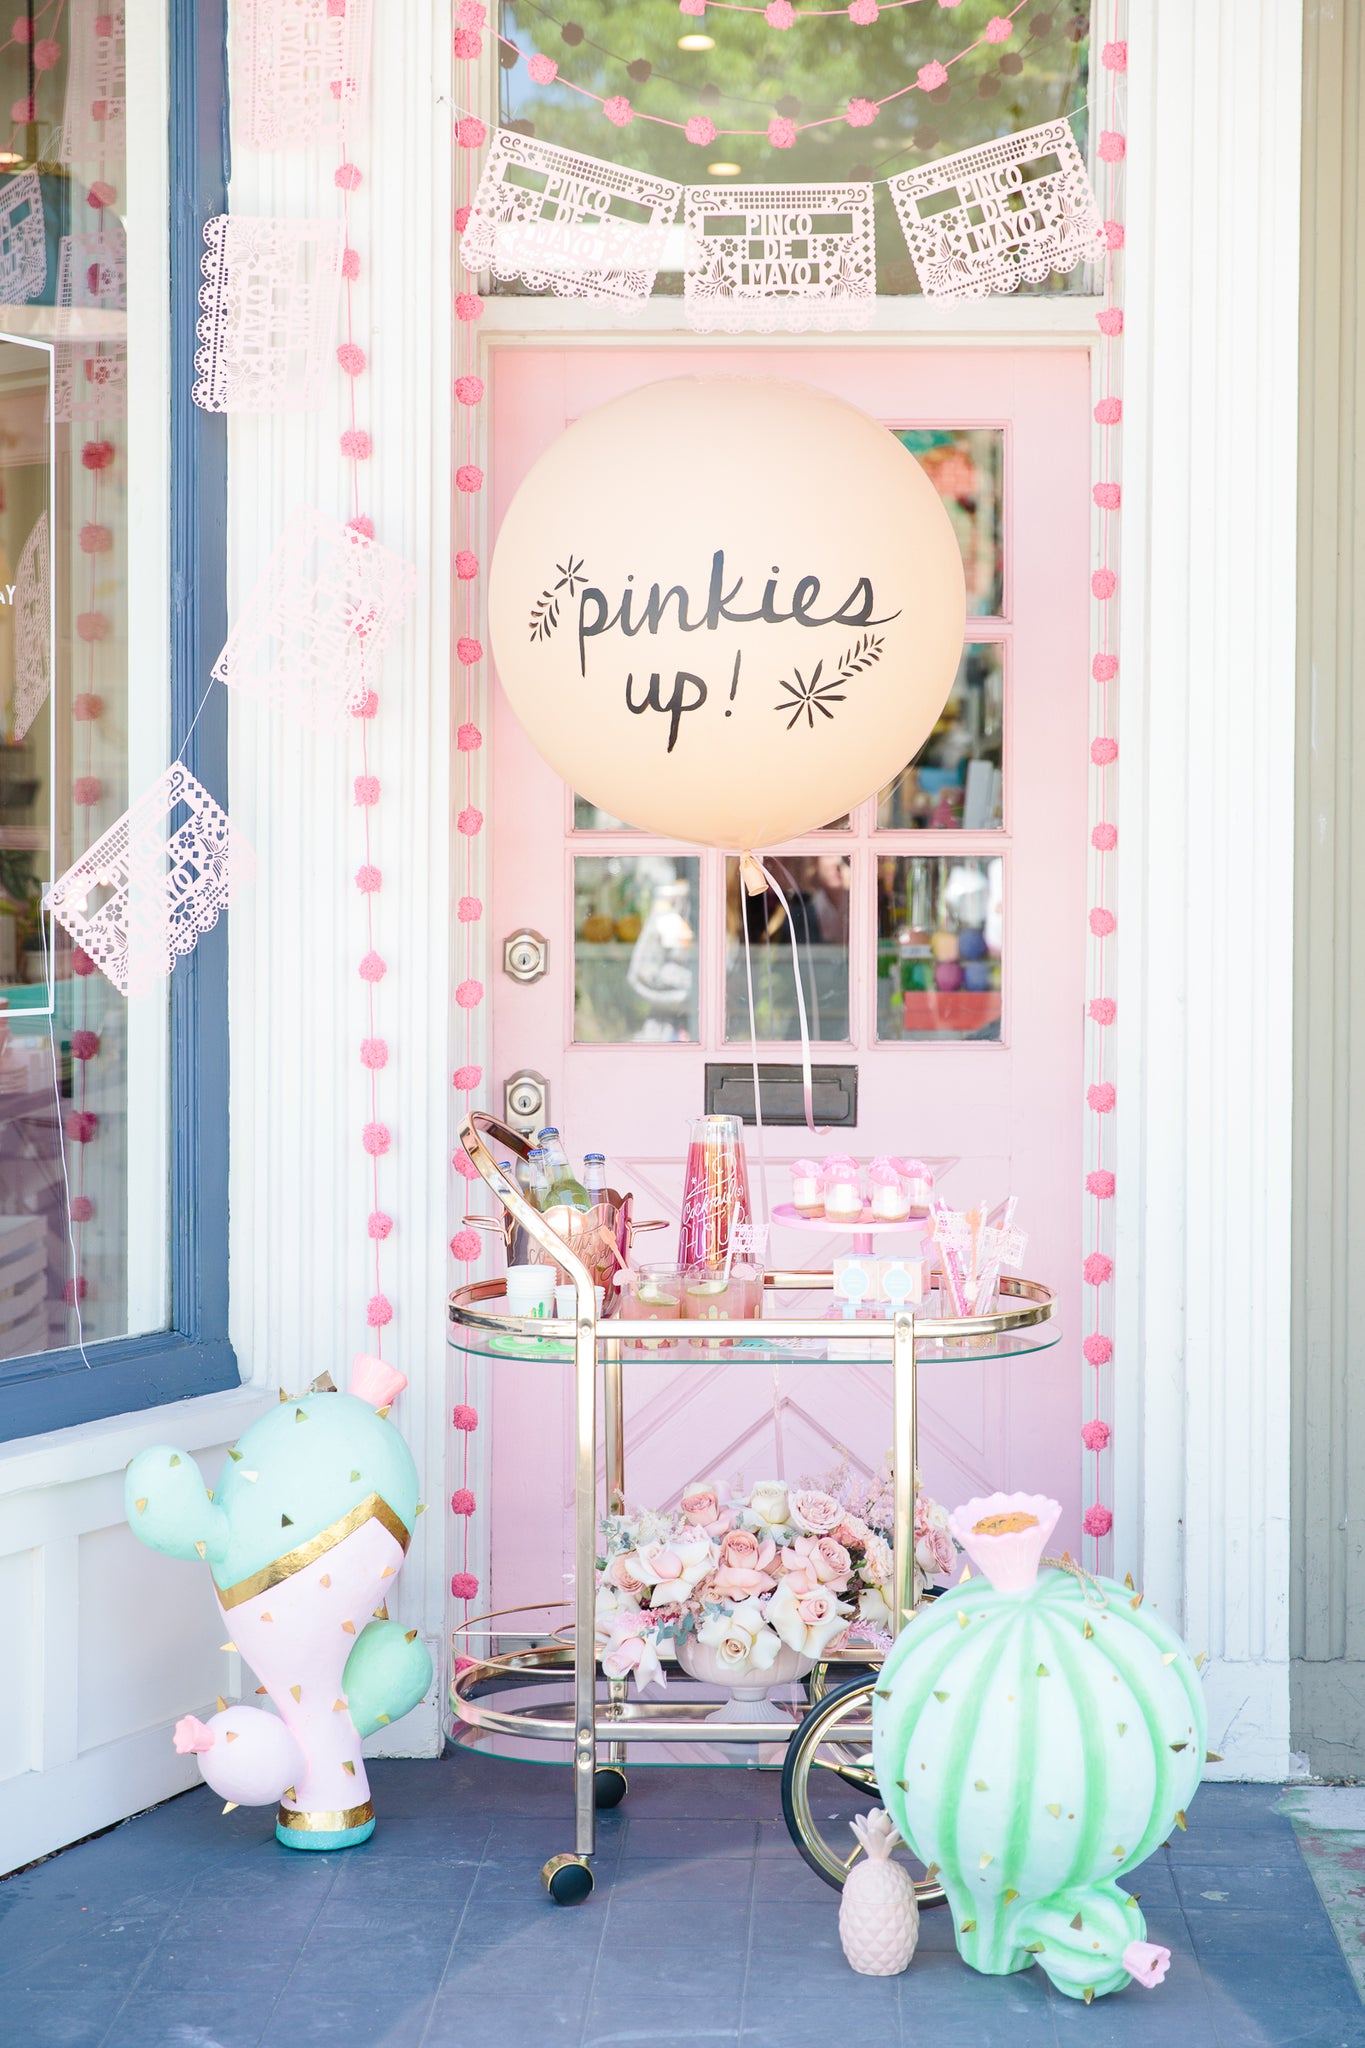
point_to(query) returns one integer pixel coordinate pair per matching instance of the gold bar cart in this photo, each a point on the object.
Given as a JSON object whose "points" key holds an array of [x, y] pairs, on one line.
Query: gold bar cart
{"points": [[598, 1732]]}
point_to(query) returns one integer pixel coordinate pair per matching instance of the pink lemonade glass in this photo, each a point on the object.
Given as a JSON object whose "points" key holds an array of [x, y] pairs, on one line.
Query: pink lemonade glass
{"points": [[706, 1297], [656, 1293]]}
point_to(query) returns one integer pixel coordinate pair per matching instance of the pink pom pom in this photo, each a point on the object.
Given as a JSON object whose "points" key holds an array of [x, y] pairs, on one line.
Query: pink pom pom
{"points": [[372, 968], [366, 706], [862, 13], [1101, 1095], [998, 30], [369, 880], [1100, 1184], [462, 214], [470, 133], [347, 177], [24, 111], [80, 1125], [470, 821], [468, 306], [860, 113], [466, 1246], [780, 14], [1107, 496], [1110, 321], [74, 1290], [469, 994], [466, 1079], [469, 739], [356, 443], [82, 1208], [85, 708], [1104, 751], [462, 1416], [781, 132], [470, 910], [97, 454], [86, 790], [462, 1501], [22, 31], [1104, 838], [469, 390], [464, 1586], [471, 13], [618, 110], [464, 1165], [46, 54], [375, 1380], [378, 1311], [467, 44], [1113, 234], [350, 264], [1114, 56], [1103, 583], [374, 1053], [81, 963], [467, 1664], [1102, 923], [1109, 412], [379, 1225], [366, 790], [92, 625], [466, 565], [469, 477], [1098, 1269], [1095, 1436], [700, 128], [932, 76], [351, 358], [376, 1138], [1103, 1010], [84, 1044], [468, 651], [363, 525], [1097, 1521], [1098, 1350], [1113, 148], [543, 70], [95, 540]]}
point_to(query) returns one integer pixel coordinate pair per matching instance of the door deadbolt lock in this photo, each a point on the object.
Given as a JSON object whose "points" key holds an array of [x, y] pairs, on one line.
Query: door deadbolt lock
{"points": [[526, 1100], [525, 955]]}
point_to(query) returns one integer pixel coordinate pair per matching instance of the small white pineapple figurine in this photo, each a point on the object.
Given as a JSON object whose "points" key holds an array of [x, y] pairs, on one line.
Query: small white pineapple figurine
{"points": [[878, 1913]]}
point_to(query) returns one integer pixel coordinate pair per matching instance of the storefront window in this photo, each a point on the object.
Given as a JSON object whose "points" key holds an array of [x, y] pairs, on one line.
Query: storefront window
{"points": [[955, 780], [635, 949], [966, 466], [940, 936], [735, 69], [814, 943]]}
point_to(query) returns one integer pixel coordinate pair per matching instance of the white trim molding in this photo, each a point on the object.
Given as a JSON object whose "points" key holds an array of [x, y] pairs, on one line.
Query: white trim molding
{"points": [[1206, 878]]}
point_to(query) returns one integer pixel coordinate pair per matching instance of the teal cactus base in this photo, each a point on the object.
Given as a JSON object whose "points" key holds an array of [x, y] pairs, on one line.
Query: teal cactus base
{"points": [[1034, 1746], [331, 1838]]}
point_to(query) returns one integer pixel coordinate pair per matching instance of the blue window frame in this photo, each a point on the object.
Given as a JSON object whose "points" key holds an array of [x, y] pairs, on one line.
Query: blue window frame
{"points": [[194, 1355]]}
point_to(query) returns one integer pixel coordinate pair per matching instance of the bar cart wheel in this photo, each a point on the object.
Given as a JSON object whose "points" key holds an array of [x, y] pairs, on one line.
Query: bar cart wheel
{"points": [[568, 1879], [609, 1786], [833, 1737]]}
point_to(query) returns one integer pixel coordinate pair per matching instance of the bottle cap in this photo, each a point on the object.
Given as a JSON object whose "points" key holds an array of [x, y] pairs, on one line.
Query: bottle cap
{"points": [[594, 1158]]}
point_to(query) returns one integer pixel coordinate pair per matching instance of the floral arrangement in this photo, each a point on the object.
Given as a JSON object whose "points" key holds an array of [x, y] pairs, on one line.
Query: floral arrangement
{"points": [[806, 1567]]}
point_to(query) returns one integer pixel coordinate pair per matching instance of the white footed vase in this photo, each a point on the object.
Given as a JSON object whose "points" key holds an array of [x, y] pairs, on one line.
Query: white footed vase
{"points": [[747, 1684]]}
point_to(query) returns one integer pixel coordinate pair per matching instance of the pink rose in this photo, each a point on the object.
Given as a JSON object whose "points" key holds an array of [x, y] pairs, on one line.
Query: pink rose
{"points": [[701, 1506], [740, 1548], [820, 1561], [819, 1514], [736, 1582], [816, 1607], [626, 1650], [852, 1533], [619, 1574]]}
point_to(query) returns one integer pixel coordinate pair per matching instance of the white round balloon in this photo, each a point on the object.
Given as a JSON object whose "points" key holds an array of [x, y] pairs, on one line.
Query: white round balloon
{"points": [[727, 609]]}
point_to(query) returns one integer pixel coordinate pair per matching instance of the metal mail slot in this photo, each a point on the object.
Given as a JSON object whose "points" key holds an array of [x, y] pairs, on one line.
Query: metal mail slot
{"points": [[730, 1092]]}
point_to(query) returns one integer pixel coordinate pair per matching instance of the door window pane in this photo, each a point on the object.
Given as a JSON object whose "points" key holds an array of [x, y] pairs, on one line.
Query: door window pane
{"points": [[954, 780], [816, 887], [588, 817], [635, 949], [940, 935], [966, 466]]}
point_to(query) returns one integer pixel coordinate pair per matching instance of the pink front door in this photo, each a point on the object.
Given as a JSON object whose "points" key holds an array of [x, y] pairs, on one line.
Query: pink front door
{"points": [[975, 850]]}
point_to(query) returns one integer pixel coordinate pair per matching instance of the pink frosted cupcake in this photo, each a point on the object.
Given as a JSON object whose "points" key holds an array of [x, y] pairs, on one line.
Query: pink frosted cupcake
{"points": [[842, 1191], [887, 1190], [1005, 1536], [808, 1194]]}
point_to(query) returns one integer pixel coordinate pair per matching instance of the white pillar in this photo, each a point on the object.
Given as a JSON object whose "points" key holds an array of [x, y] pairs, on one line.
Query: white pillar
{"points": [[1206, 890]]}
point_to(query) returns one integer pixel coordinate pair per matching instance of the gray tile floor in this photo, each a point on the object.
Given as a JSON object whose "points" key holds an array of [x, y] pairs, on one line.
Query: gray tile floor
{"points": [[187, 1929]]}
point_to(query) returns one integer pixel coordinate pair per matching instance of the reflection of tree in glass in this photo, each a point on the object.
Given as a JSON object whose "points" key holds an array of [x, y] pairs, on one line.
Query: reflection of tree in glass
{"points": [[809, 73]]}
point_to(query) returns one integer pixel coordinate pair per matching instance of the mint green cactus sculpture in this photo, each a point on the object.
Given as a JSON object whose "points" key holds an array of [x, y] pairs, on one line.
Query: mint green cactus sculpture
{"points": [[304, 1537], [1036, 1737]]}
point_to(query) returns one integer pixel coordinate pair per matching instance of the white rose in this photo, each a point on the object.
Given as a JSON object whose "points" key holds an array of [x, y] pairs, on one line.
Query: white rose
{"points": [[878, 1561], [806, 1622], [674, 1568], [741, 1639], [769, 1509], [874, 1607]]}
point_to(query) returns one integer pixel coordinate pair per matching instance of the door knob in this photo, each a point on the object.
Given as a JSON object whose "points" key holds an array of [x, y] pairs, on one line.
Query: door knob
{"points": [[526, 1100], [525, 955]]}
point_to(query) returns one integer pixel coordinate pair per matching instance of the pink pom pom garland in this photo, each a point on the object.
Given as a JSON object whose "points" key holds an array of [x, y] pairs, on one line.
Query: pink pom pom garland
{"points": [[543, 70], [466, 1246], [462, 1416], [466, 1079], [782, 132], [931, 76], [1100, 1184], [1096, 1436], [1097, 1521], [379, 1225], [462, 1501], [701, 129], [860, 113]]}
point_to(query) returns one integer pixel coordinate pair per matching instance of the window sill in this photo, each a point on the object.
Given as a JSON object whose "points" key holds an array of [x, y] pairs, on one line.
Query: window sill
{"points": [[48, 1456]]}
